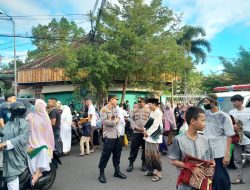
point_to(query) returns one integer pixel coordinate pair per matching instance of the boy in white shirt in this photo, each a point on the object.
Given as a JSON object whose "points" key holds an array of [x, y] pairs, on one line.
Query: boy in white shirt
{"points": [[92, 119], [240, 113]]}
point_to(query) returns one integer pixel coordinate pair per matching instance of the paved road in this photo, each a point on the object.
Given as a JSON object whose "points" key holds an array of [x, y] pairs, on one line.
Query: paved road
{"points": [[82, 172]]}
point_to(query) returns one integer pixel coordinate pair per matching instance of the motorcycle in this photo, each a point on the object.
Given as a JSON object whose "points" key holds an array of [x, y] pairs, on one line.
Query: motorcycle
{"points": [[45, 182], [247, 154], [75, 129]]}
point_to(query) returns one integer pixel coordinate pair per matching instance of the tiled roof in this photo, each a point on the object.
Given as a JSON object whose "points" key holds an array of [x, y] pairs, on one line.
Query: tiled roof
{"points": [[7, 72], [44, 62], [51, 59]]}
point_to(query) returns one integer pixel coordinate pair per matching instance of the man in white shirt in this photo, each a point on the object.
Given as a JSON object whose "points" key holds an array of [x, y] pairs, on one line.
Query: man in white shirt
{"points": [[219, 131], [121, 125], [240, 113], [92, 120]]}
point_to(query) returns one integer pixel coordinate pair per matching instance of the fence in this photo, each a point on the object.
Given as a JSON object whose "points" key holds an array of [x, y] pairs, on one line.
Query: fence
{"points": [[194, 99]]}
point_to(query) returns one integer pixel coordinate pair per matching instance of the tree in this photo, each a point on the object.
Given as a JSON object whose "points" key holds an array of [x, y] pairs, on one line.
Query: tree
{"points": [[5, 87], [235, 72], [89, 66], [195, 79], [238, 69], [10, 65], [194, 42], [53, 37], [214, 80], [142, 38]]}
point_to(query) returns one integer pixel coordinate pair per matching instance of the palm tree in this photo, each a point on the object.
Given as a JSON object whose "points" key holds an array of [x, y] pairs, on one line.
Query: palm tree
{"points": [[193, 44]]}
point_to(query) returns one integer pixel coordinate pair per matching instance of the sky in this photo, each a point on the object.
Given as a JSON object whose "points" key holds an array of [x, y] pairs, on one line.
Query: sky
{"points": [[226, 22]]}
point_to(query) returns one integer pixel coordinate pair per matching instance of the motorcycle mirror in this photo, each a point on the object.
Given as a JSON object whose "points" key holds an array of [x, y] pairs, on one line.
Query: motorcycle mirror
{"points": [[247, 134]]}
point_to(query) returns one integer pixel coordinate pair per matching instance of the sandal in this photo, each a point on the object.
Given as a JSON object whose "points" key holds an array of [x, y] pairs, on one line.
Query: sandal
{"points": [[237, 181], [156, 178], [149, 174]]}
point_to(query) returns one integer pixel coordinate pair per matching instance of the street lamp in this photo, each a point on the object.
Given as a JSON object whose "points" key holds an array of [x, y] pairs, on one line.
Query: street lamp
{"points": [[14, 33]]}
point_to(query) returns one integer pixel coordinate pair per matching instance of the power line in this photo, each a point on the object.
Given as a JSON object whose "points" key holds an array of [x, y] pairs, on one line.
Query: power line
{"points": [[218, 57], [56, 15], [18, 19], [36, 37], [3, 44], [95, 6], [2, 18], [43, 38], [11, 57], [82, 22], [25, 35], [78, 18], [93, 31], [16, 46]]}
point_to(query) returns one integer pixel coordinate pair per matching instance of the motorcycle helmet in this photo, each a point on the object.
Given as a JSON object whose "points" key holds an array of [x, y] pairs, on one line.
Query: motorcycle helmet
{"points": [[17, 110], [5, 105]]}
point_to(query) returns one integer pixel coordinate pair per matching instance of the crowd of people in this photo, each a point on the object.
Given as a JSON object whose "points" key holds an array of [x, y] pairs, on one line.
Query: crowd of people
{"points": [[199, 141], [32, 134]]}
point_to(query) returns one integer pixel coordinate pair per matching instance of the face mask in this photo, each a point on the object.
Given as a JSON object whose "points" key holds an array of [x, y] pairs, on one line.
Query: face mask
{"points": [[207, 106]]}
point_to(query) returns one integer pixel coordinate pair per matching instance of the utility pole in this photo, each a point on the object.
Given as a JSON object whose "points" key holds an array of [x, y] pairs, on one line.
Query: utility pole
{"points": [[14, 33], [94, 29], [185, 85]]}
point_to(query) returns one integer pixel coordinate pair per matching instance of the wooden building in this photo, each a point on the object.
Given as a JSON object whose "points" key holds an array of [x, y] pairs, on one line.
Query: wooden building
{"points": [[41, 79]]}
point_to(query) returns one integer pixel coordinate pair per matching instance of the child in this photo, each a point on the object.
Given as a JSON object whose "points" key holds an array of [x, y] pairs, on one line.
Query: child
{"points": [[85, 138], [190, 148]]}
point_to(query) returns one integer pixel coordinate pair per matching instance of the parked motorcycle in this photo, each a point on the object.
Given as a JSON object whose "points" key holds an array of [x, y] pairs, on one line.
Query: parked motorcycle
{"points": [[75, 129], [247, 154]]}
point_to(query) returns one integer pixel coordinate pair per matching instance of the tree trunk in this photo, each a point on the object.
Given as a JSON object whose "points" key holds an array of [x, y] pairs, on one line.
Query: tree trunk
{"points": [[185, 86], [124, 89]]}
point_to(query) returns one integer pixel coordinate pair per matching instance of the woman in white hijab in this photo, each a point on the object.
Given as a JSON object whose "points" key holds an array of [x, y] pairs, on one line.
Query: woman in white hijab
{"points": [[66, 121]]}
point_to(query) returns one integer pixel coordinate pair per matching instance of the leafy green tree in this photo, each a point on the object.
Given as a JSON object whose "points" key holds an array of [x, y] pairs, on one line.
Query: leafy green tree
{"points": [[5, 87], [10, 66], [143, 40], [51, 38], [238, 69], [195, 79], [214, 80], [235, 72], [89, 68]]}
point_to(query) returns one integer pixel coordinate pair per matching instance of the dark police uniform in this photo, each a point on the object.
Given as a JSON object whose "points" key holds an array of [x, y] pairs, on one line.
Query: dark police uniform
{"points": [[138, 120]]}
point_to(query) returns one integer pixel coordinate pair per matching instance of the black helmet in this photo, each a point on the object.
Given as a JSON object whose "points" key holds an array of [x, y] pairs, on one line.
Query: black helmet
{"points": [[17, 110]]}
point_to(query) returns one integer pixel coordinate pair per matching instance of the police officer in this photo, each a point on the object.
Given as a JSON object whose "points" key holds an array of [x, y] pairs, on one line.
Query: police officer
{"points": [[138, 119], [112, 141]]}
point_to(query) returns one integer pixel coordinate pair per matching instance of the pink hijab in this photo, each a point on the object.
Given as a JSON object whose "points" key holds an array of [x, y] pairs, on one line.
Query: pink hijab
{"points": [[169, 115], [41, 132]]}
